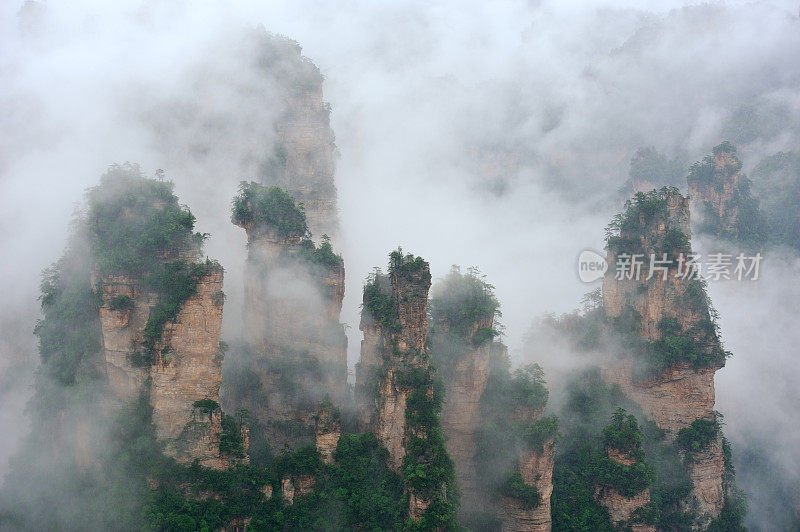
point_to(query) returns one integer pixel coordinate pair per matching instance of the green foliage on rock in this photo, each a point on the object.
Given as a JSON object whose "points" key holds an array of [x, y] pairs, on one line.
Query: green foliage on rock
{"points": [[623, 432], [698, 436], [69, 331], [378, 301], [582, 462], [206, 406], [120, 302], [135, 222], [322, 256], [230, 439], [462, 301], [269, 209], [427, 468], [516, 488], [638, 214]]}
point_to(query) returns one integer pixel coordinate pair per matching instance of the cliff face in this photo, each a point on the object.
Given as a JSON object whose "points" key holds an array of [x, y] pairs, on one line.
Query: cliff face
{"points": [[461, 419], [621, 508], [398, 347], [186, 367], [536, 469], [308, 159], [122, 330], [395, 386], [192, 373], [656, 298], [713, 192], [465, 383], [682, 392], [298, 345]]}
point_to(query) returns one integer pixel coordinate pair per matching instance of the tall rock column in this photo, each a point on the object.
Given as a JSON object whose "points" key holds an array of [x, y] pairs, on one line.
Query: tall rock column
{"points": [[396, 390], [160, 312], [714, 189], [672, 378], [293, 298], [463, 310]]}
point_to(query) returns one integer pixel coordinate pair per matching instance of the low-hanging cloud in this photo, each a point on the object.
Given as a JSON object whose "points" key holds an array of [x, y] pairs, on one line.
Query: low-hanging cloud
{"points": [[494, 135]]}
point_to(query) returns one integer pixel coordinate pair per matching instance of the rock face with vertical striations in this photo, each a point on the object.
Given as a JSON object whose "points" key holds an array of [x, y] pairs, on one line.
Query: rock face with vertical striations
{"points": [[462, 357], [395, 325], [622, 508], [186, 367], [714, 189], [293, 299], [536, 469], [395, 389], [306, 142], [677, 385]]}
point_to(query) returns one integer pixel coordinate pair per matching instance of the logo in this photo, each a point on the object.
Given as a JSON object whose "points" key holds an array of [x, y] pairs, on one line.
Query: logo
{"points": [[591, 266]]}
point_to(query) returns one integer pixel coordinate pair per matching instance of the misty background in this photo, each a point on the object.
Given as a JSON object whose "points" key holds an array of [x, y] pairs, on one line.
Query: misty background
{"points": [[495, 135]]}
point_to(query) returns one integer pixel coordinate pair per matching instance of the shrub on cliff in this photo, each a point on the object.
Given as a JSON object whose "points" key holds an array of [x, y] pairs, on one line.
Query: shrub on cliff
{"points": [[698, 436], [639, 212], [268, 208], [623, 432], [322, 255], [461, 301], [136, 223], [378, 301], [427, 468]]}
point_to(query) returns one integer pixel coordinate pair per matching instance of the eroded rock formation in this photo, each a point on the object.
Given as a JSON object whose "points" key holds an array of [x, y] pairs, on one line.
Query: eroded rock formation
{"points": [[297, 346], [670, 303], [621, 508], [714, 189], [396, 394], [536, 469], [184, 368]]}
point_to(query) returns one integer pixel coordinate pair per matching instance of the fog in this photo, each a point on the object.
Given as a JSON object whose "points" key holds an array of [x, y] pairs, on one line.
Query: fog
{"points": [[495, 135]]}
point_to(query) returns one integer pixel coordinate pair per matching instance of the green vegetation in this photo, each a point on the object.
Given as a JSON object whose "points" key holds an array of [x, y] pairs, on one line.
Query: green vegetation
{"points": [[206, 406], [427, 468], [462, 301], [407, 265], [120, 302], [378, 301], [698, 346], [269, 209], [510, 407], [322, 256], [135, 223], [516, 488], [698, 436], [582, 461], [527, 387], [675, 242], [230, 440], [69, 332], [623, 432], [539, 432], [639, 213]]}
